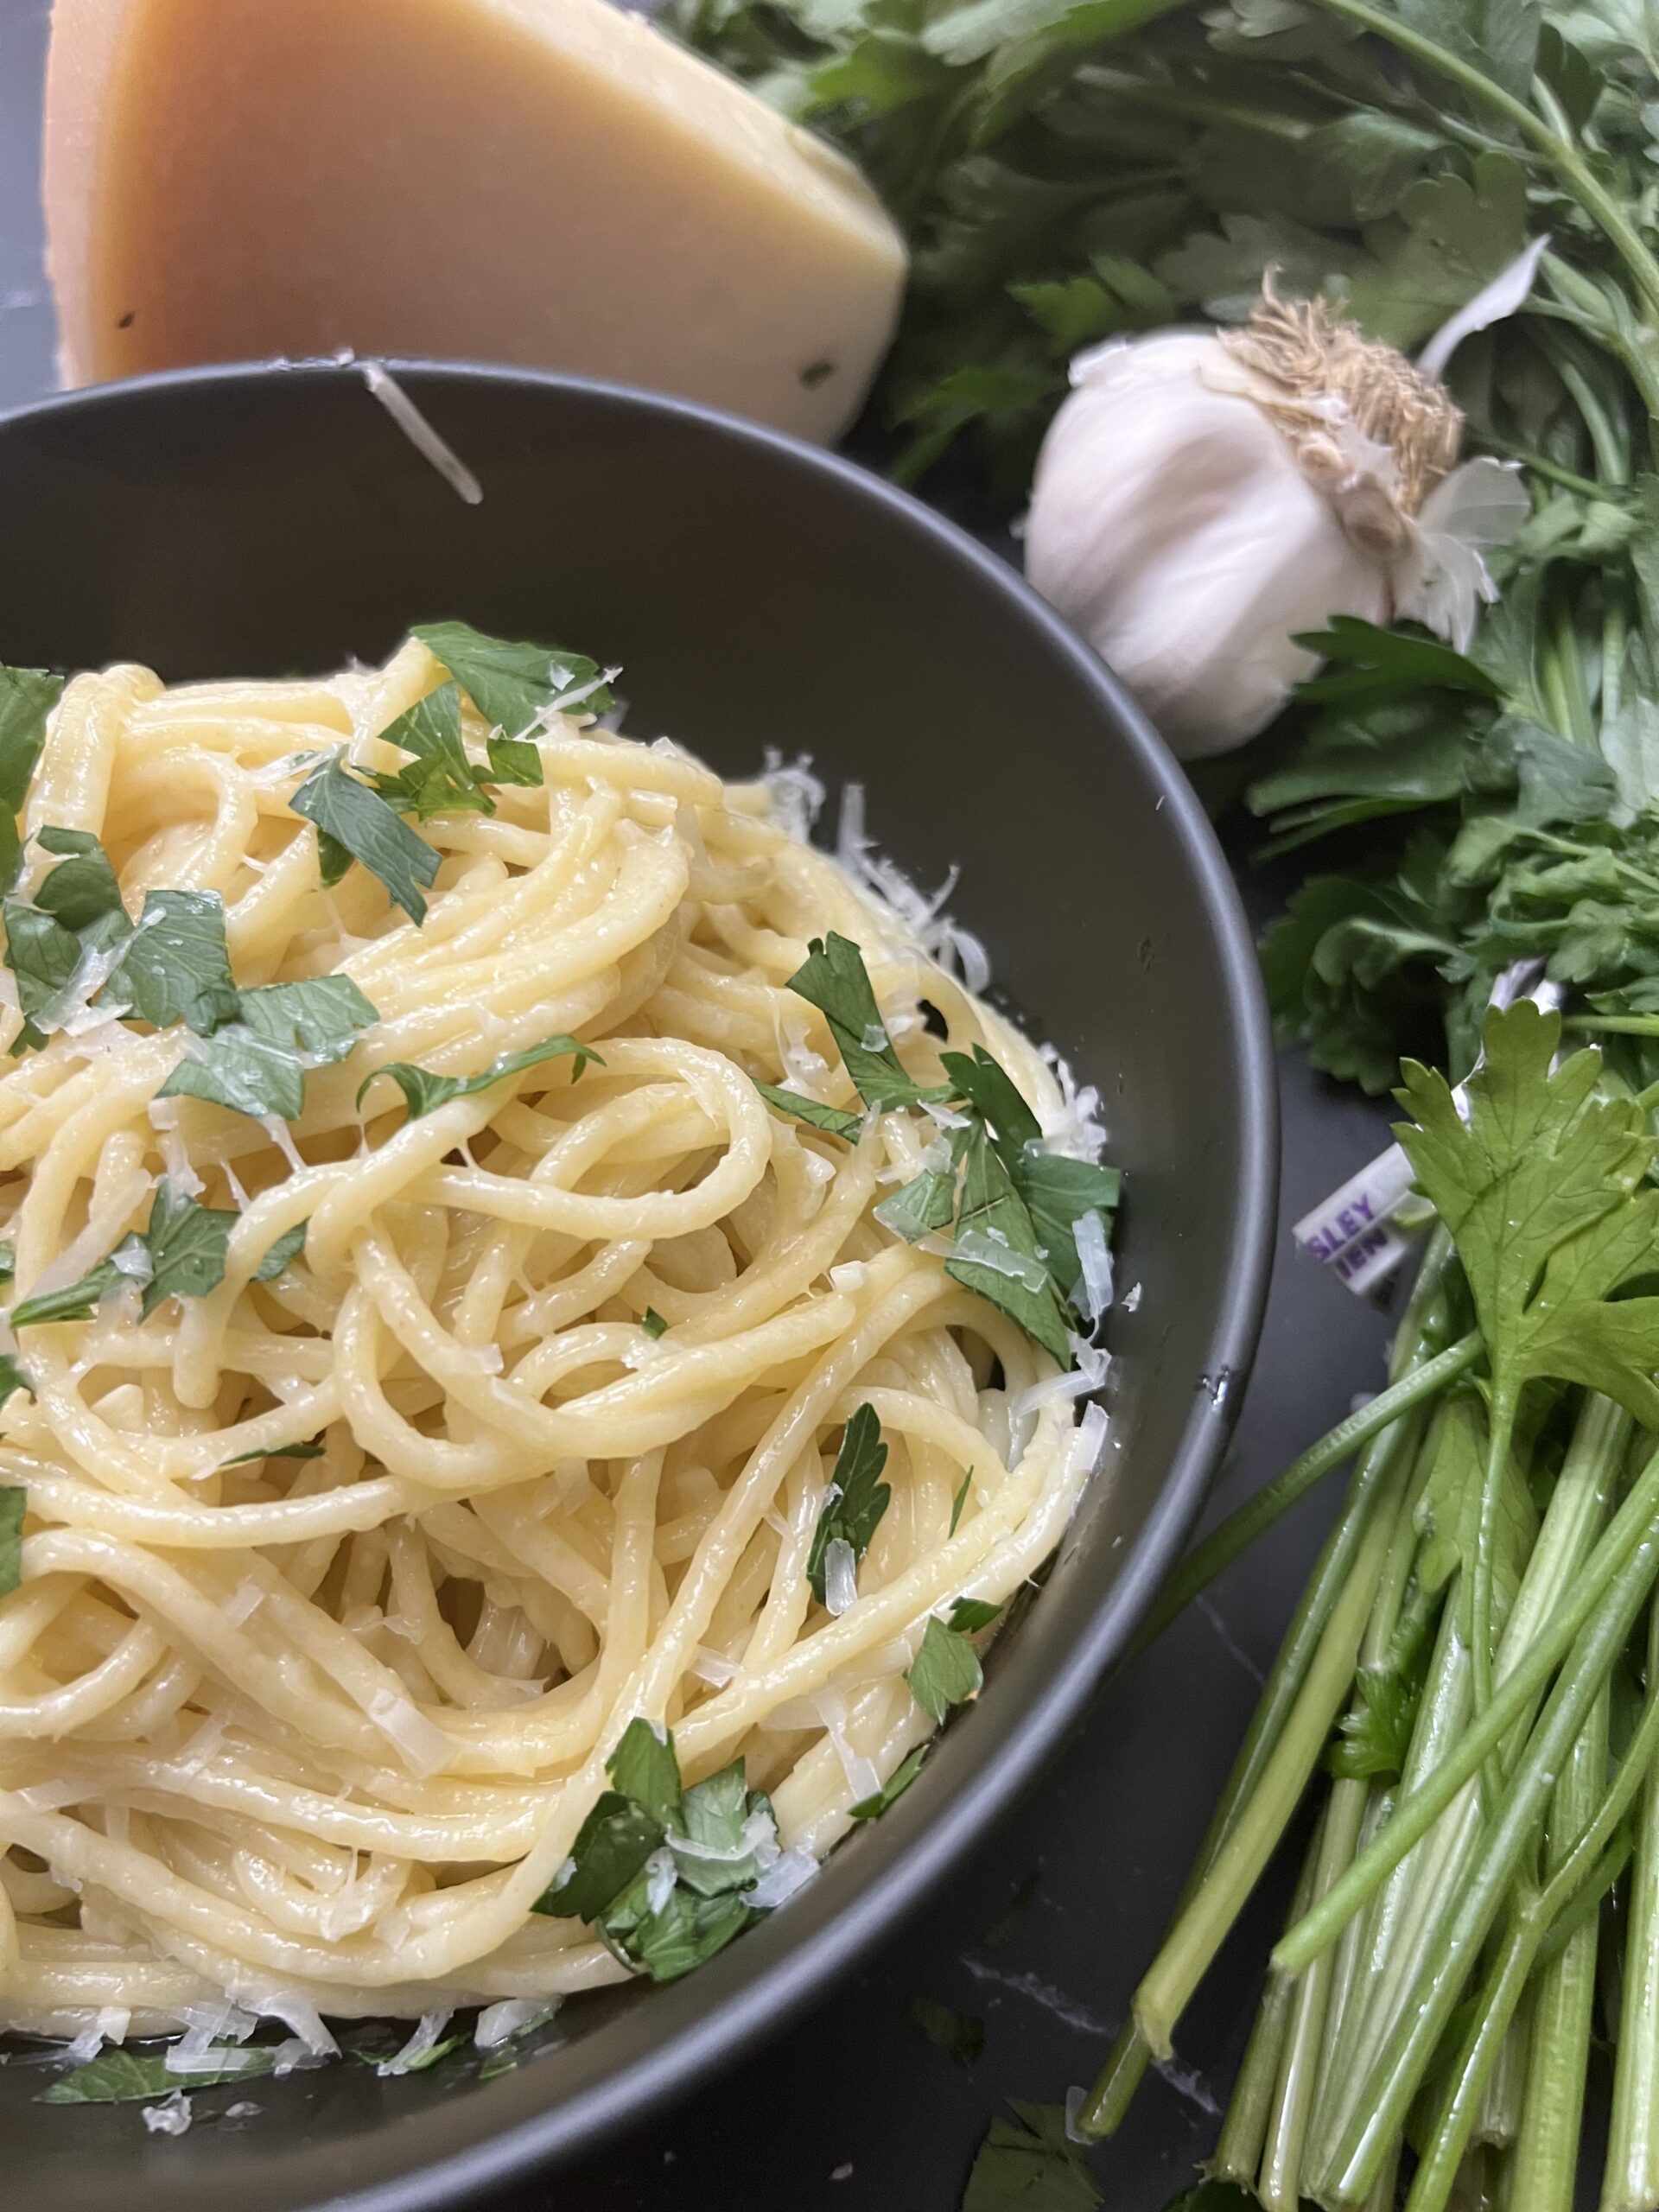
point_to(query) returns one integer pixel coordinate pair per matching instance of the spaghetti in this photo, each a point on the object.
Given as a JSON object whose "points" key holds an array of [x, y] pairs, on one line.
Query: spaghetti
{"points": [[511, 1415]]}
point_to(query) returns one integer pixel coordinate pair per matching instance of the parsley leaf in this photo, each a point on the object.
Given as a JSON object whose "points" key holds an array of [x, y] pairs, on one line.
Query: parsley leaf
{"points": [[652, 1322], [513, 761], [179, 1255], [276, 1451], [1030, 2165], [1057, 1191], [353, 823], [58, 947], [389, 2064], [119, 2077], [511, 684], [12, 1378], [644, 1768], [14, 1504], [440, 779], [282, 1253], [945, 1670], [8, 1262], [1374, 1735], [958, 2034], [682, 1933], [833, 978], [856, 1498], [996, 1253], [717, 1853], [873, 1807], [1543, 1188], [921, 1206], [175, 966], [613, 1843], [255, 1064], [836, 1119], [26, 697], [958, 1501], [969, 1615], [425, 1092]]}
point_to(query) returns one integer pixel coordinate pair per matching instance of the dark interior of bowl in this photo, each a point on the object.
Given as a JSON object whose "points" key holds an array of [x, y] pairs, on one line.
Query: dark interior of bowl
{"points": [[270, 521]]}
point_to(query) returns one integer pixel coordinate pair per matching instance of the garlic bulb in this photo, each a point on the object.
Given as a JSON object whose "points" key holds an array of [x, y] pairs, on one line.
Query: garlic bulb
{"points": [[1200, 498]]}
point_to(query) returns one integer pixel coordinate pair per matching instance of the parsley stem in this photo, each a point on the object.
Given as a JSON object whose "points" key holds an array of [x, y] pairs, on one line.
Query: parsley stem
{"points": [[1631, 2178], [1421, 1328], [1552, 2108], [1240, 1528], [1628, 1541], [1198, 1934], [1561, 152], [1244, 2133], [1604, 1604]]}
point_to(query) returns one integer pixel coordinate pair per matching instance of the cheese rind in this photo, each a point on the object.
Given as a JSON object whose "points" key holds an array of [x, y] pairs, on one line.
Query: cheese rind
{"points": [[549, 182]]}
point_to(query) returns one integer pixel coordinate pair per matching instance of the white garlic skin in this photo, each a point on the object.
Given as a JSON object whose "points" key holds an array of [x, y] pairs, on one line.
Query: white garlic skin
{"points": [[1172, 525]]}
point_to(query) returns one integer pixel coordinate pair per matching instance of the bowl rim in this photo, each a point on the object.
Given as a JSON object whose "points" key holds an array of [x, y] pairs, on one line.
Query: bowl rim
{"points": [[805, 1970]]}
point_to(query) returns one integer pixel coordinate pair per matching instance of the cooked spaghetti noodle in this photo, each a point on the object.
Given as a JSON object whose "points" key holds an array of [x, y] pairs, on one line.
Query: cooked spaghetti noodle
{"points": [[341, 1583]]}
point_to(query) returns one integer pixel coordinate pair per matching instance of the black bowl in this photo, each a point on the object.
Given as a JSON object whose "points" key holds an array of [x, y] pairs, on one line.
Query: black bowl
{"points": [[269, 520]]}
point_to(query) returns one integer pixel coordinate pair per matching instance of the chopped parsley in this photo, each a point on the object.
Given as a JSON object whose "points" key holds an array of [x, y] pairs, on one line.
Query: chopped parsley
{"points": [[26, 697], [833, 978], [117, 2076], [14, 1504], [662, 1871], [836, 1119], [652, 1322], [513, 684], [946, 1671], [175, 966], [873, 1807], [425, 1092], [1031, 2165], [180, 1254], [257, 1063], [856, 1498], [958, 2034], [440, 779], [353, 823]]}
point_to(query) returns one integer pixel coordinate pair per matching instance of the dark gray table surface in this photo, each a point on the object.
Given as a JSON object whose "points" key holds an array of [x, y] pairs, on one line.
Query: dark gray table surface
{"points": [[1042, 1935]]}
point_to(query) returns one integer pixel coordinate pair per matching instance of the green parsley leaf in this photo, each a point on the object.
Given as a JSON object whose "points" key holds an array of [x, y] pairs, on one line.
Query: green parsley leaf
{"points": [[440, 779], [425, 1092], [685, 1933], [14, 1504], [958, 1501], [1057, 1191], [714, 1856], [255, 1064], [1544, 1190], [996, 1253], [644, 1768], [922, 1205], [969, 1615], [991, 1091], [613, 1843], [1030, 2166], [8, 1262], [513, 761], [12, 1378], [833, 978], [652, 1322], [276, 1451], [857, 1497], [945, 1671], [82, 889], [511, 684], [179, 1255], [26, 697], [873, 1807], [958, 2034], [76, 1301], [175, 966], [353, 823], [56, 945], [186, 1244], [1374, 1735], [388, 2063], [119, 2077], [282, 1254], [835, 1119]]}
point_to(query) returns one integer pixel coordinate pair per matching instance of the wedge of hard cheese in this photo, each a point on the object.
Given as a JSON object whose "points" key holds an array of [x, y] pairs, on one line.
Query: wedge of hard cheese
{"points": [[544, 181]]}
